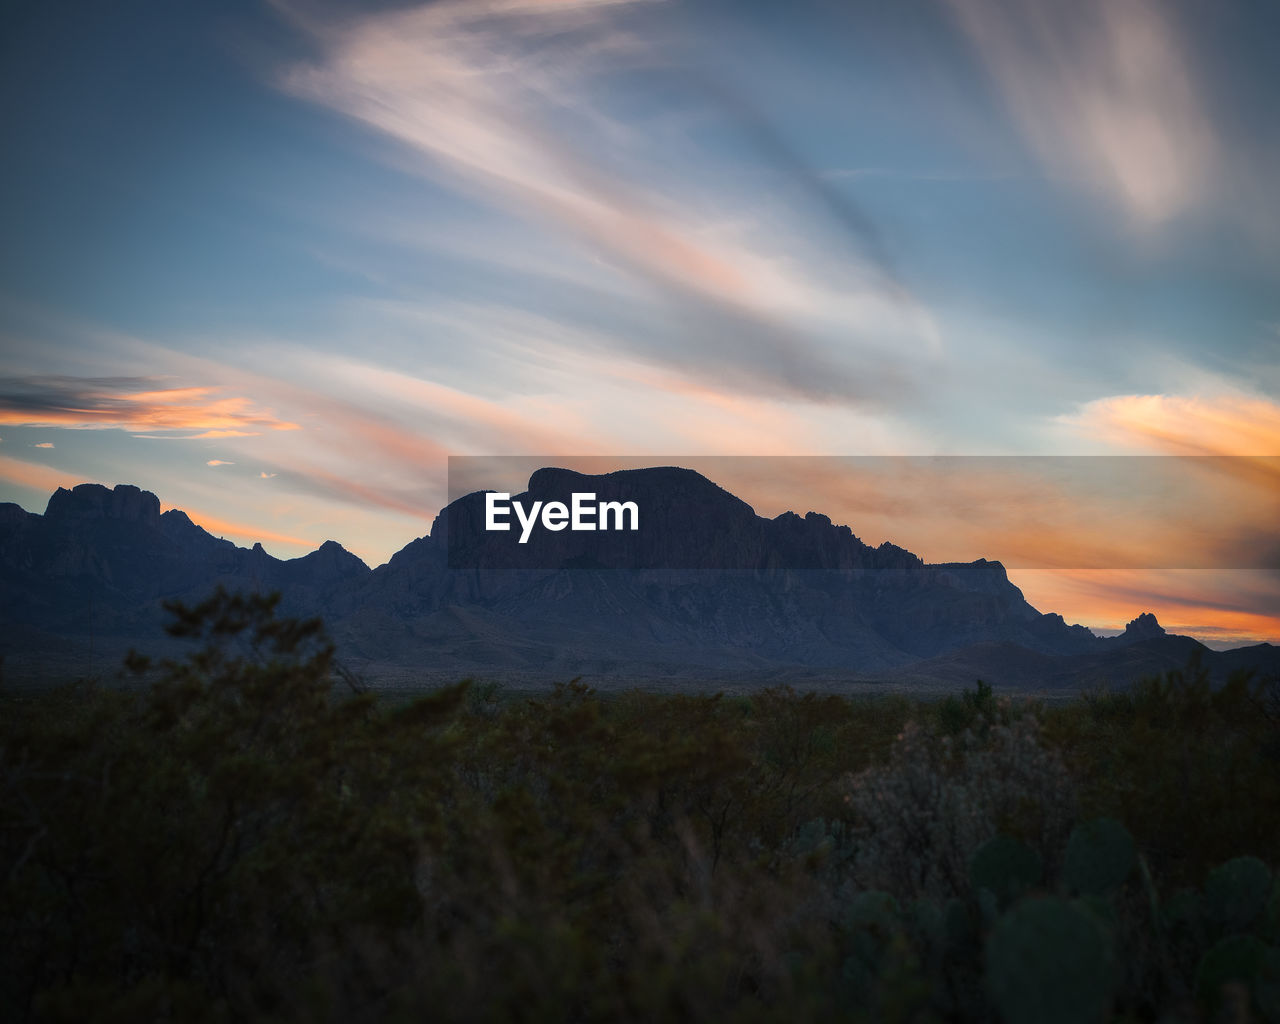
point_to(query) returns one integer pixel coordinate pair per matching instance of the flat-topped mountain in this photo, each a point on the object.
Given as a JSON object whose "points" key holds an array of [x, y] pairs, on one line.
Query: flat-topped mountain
{"points": [[703, 589], [686, 522]]}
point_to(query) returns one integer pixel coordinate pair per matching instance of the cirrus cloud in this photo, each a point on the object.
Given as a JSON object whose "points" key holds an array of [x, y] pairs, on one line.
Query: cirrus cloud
{"points": [[1103, 92], [504, 102]]}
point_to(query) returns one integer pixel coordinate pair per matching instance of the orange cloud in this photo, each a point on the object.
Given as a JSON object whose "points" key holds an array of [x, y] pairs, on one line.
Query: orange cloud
{"points": [[1188, 425], [125, 403]]}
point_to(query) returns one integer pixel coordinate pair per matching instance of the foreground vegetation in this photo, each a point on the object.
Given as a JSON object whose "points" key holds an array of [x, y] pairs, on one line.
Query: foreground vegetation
{"points": [[240, 840]]}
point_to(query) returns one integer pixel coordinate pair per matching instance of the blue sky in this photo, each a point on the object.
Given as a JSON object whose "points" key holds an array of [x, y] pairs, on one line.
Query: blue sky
{"points": [[276, 261]]}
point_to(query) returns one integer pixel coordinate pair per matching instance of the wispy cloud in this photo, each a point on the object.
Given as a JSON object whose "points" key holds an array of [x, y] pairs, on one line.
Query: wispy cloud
{"points": [[43, 444], [1232, 482], [504, 101], [219, 462], [1104, 91], [133, 404]]}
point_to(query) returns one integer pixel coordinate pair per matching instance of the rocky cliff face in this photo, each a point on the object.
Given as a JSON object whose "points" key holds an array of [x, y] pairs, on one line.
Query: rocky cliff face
{"points": [[704, 569]]}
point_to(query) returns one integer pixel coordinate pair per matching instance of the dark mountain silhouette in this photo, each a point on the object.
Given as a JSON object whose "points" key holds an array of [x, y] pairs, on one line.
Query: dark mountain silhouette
{"points": [[100, 561], [705, 591]]}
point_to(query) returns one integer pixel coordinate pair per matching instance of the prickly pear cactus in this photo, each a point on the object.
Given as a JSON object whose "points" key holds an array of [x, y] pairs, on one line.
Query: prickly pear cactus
{"points": [[1236, 893], [1049, 962], [1235, 961], [1100, 855], [1005, 867]]}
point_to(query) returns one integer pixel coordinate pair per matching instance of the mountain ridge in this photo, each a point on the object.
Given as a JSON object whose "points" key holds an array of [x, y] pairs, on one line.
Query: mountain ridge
{"points": [[799, 592]]}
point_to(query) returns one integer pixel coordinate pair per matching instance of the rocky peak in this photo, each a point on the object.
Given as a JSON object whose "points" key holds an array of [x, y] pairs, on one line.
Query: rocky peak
{"points": [[94, 501], [332, 558], [333, 553], [1143, 627]]}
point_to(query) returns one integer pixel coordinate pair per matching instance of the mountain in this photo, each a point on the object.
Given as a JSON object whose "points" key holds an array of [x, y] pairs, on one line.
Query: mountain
{"points": [[100, 561], [704, 591]]}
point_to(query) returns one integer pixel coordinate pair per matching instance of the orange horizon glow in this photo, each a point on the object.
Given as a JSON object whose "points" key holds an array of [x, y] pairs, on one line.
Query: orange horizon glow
{"points": [[37, 477], [1106, 600], [226, 528]]}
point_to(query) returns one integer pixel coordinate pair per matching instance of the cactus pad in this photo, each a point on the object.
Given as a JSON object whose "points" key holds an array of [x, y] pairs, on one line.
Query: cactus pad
{"points": [[1236, 892], [1100, 855], [1049, 962]]}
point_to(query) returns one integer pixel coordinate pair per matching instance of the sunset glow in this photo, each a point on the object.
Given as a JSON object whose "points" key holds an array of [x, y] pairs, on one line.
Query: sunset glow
{"points": [[278, 263]]}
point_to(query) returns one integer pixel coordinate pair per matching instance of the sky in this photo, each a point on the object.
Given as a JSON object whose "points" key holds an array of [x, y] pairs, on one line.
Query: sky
{"points": [[277, 261]]}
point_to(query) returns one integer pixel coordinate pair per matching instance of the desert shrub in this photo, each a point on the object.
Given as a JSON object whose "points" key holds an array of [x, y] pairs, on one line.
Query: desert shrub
{"points": [[920, 817], [1192, 770], [206, 844], [243, 839], [971, 709]]}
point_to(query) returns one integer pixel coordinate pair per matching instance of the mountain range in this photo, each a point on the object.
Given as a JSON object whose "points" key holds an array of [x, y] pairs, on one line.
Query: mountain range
{"points": [[707, 594]]}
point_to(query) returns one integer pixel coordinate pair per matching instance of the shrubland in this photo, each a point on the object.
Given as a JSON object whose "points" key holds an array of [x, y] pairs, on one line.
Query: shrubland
{"points": [[239, 836]]}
